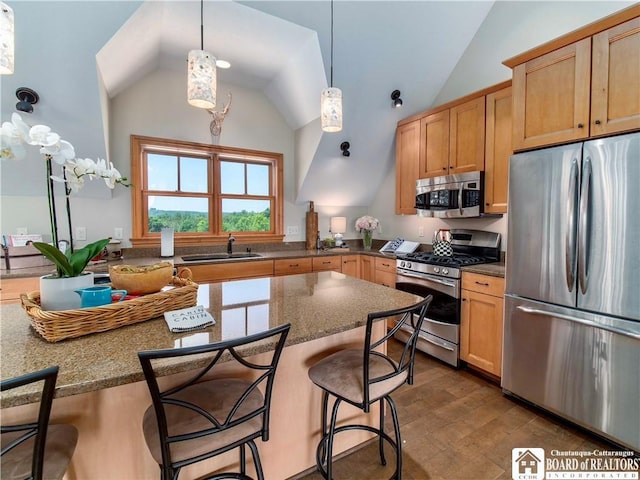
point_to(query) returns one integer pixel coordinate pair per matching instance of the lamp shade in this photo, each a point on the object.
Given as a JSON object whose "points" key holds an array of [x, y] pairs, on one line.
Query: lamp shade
{"points": [[338, 224], [331, 109], [201, 79], [7, 39]]}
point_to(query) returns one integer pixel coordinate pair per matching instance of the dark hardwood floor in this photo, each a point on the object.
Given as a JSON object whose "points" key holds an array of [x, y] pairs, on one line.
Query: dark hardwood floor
{"points": [[457, 425]]}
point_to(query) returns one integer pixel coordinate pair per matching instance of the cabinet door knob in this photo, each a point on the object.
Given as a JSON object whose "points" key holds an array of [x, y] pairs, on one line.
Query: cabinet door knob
{"points": [[580, 125], [451, 167], [444, 168], [487, 204], [597, 122]]}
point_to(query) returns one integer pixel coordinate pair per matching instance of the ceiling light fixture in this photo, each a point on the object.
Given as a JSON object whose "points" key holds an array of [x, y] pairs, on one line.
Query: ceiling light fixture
{"points": [[397, 101], [331, 100], [201, 74], [27, 99], [345, 146], [7, 39]]}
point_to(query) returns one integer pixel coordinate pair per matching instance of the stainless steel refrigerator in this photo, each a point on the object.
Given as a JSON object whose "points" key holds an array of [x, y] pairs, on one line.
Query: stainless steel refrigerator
{"points": [[572, 303]]}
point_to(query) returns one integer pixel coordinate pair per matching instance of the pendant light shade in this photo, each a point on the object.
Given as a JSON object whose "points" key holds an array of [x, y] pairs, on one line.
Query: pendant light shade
{"points": [[331, 99], [201, 85], [7, 39], [331, 109], [201, 73]]}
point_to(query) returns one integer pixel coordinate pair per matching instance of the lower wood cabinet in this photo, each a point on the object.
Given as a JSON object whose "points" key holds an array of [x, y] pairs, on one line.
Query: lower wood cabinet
{"points": [[11, 288], [321, 264], [367, 268], [351, 265], [481, 322], [231, 271], [291, 266], [385, 272]]}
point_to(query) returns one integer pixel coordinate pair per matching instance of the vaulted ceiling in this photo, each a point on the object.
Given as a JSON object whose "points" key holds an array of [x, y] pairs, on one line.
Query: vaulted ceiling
{"points": [[282, 48]]}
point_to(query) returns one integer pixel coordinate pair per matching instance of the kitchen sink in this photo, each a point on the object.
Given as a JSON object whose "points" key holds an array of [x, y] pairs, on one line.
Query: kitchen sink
{"points": [[218, 256]]}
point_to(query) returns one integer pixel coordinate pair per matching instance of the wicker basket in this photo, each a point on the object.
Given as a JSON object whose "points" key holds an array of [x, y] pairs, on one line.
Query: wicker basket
{"points": [[54, 326]]}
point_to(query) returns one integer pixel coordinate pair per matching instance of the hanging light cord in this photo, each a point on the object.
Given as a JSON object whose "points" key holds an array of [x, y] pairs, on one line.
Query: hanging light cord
{"points": [[331, 44], [201, 24]]}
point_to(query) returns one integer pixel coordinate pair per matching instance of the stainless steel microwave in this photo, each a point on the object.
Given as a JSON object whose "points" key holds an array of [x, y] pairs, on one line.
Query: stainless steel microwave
{"points": [[451, 196]]}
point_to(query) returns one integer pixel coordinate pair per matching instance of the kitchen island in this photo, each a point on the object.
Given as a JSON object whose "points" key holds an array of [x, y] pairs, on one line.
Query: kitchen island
{"points": [[101, 388]]}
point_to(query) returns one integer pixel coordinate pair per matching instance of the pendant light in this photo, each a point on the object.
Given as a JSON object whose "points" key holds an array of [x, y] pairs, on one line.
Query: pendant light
{"points": [[331, 99], [201, 79], [7, 39]]}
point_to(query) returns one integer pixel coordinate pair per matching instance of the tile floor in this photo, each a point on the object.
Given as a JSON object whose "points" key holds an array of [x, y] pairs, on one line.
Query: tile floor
{"points": [[457, 425]]}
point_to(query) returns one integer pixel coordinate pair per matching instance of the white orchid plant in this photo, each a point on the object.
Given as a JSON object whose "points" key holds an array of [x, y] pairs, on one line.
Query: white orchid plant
{"points": [[14, 135]]}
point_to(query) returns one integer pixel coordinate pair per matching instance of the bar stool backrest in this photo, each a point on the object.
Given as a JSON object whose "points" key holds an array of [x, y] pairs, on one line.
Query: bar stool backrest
{"points": [[37, 429], [410, 318], [205, 357]]}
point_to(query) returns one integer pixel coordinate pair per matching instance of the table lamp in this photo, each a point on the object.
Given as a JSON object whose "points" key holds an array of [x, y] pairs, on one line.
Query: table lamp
{"points": [[338, 226]]}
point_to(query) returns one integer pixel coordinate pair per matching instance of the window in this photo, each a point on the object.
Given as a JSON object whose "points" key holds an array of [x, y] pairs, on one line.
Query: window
{"points": [[204, 192]]}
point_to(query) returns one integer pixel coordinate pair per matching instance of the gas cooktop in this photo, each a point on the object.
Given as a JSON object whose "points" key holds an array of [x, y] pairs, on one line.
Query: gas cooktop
{"points": [[457, 260]]}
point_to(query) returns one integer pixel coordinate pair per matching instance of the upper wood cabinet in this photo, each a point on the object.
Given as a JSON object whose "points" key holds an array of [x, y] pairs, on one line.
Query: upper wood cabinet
{"points": [[453, 140], [407, 159], [434, 145], [471, 133], [466, 136], [498, 150], [582, 85], [615, 79]]}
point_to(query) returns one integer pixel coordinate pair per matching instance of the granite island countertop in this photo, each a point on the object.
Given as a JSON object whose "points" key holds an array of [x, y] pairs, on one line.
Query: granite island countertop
{"points": [[316, 304]]}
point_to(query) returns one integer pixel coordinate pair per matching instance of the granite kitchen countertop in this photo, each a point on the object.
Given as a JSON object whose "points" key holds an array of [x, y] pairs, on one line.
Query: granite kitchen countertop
{"points": [[134, 259], [496, 269], [316, 304]]}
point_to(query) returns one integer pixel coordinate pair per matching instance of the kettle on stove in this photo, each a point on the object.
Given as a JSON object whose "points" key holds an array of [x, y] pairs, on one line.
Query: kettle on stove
{"points": [[442, 243]]}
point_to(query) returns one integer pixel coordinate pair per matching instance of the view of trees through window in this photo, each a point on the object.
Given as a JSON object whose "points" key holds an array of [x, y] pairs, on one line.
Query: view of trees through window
{"points": [[185, 221]]}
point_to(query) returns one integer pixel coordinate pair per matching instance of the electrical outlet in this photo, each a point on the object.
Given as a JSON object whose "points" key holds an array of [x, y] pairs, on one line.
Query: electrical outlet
{"points": [[81, 233], [117, 233], [293, 230], [421, 231], [22, 231]]}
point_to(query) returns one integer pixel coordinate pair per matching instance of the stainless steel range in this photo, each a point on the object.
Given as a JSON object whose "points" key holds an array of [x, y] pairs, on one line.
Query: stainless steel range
{"points": [[424, 273]]}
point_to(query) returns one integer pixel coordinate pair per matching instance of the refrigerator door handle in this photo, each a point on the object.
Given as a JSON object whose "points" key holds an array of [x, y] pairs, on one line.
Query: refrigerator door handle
{"points": [[583, 239], [570, 240], [582, 321]]}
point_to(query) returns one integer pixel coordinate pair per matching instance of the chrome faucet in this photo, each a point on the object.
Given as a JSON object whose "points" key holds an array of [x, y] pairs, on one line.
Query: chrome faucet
{"points": [[230, 244]]}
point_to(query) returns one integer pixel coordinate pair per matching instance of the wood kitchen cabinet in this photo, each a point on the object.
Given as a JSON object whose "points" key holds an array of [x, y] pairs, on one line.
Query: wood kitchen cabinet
{"points": [[231, 271], [471, 133], [11, 288], [292, 266], [498, 150], [351, 265], [466, 136], [582, 85], [481, 322], [434, 145], [452, 141], [385, 271], [407, 162], [324, 263], [367, 268]]}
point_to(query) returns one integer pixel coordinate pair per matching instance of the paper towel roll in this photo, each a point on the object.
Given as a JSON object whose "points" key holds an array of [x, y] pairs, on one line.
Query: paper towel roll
{"points": [[166, 242]]}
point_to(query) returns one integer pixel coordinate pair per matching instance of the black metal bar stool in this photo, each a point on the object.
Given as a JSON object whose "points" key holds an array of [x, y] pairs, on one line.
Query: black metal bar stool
{"points": [[363, 377], [199, 418], [35, 449]]}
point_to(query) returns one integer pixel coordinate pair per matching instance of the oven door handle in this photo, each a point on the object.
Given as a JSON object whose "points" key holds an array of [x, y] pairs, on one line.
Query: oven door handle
{"points": [[434, 280], [437, 344]]}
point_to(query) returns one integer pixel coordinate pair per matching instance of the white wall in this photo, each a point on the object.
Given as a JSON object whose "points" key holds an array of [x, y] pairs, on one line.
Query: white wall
{"points": [[509, 29]]}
